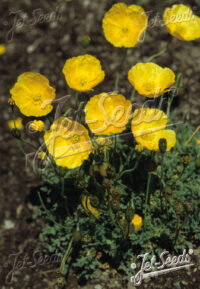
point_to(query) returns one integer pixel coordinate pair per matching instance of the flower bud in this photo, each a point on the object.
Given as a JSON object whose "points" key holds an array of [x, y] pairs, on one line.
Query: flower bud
{"points": [[11, 102], [16, 133], [94, 201], [61, 171], [85, 42], [115, 205], [103, 169], [162, 145], [77, 235], [129, 214]]}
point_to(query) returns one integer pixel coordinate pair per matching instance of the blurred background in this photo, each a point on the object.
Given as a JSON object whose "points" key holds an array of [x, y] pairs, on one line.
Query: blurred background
{"points": [[40, 36]]}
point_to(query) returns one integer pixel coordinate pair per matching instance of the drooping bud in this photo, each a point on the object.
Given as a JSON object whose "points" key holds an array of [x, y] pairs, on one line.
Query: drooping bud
{"points": [[94, 201], [16, 133]]}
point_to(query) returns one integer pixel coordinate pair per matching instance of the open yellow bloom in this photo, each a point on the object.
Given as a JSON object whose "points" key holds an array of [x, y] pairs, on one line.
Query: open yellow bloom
{"points": [[107, 114], [124, 25], [151, 141], [148, 127], [37, 125], [33, 94], [68, 142], [147, 120], [150, 79], [137, 222], [182, 23], [83, 72], [18, 123], [88, 207]]}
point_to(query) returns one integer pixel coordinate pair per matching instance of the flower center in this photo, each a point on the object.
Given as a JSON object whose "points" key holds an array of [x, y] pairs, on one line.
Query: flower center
{"points": [[36, 97], [125, 30], [75, 138], [82, 82]]}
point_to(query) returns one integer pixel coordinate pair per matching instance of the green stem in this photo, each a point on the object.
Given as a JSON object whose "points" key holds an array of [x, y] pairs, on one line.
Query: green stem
{"points": [[67, 111], [62, 266], [132, 95], [115, 142], [129, 170], [51, 218], [161, 52], [161, 101], [62, 181], [147, 190], [179, 81], [120, 70], [76, 98]]}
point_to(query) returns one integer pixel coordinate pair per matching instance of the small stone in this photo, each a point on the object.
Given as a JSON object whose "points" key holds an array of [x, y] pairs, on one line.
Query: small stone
{"points": [[8, 224], [98, 287]]}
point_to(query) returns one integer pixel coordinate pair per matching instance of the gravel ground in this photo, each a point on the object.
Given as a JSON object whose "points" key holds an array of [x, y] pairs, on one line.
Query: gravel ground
{"points": [[40, 36]]}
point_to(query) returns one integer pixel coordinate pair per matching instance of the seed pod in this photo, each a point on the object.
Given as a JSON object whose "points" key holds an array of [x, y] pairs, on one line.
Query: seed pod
{"points": [[87, 238], [186, 160], [168, 190], [106, 184], [116, 194], [162, 145], [61, 282], [197, 163]]}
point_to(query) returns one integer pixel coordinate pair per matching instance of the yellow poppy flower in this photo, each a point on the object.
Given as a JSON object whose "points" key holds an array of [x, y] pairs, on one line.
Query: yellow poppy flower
{"points": [[147, 120], [68, 142], [124, 25], [150, 79], [83, 72], [37, 125], [2, 49], [148, 127], [88, 207], [151, 141], [182, 23], [137, 222], [33, 94], [18, 123], [107, 114]]}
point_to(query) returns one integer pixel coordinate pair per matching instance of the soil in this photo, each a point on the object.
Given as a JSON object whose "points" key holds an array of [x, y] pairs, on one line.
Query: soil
{"points": [[40, 36]]}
